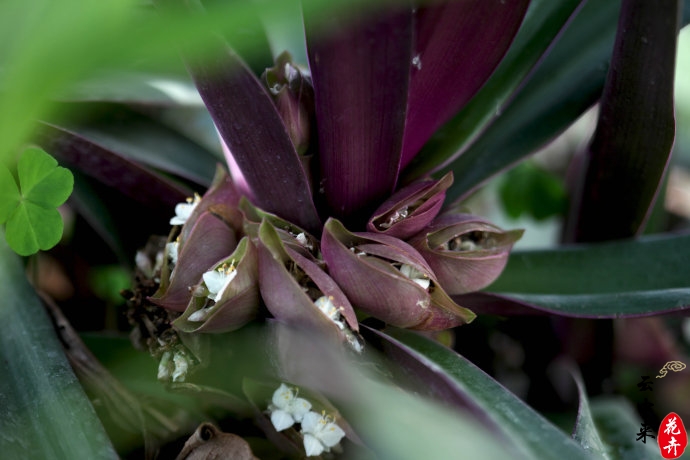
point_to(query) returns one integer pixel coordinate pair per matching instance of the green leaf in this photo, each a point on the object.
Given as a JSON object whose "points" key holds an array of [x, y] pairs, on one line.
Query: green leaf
{"points": [[33, 227], [566, 83], [646, 264], [621, 171], [618, 424], [532, 190], [607, 428], [616, 279], [529, 432], [9, 194], [34, 223], [585, 431], [45, 413]]}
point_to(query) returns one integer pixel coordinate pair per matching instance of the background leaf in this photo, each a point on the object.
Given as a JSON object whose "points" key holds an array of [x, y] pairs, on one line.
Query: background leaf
{"points": [[618, 424], [624, 164], [570, 78], [649, 263], [613, 279], [45, 411]]}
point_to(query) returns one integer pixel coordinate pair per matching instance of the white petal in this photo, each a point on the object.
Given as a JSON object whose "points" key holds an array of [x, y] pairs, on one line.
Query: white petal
{"points": [[423, 282], [312, 445], [226, 282], [171, 249], [181, 366], [282, 397], [298, 407], [164, 366], [199, 315], [214, 280], [182, 213], [330, 435], [311, 422], [281, 420]]}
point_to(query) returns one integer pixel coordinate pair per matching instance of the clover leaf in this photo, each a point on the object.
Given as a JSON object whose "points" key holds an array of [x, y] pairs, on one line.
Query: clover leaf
{"points": [[29, 210]]}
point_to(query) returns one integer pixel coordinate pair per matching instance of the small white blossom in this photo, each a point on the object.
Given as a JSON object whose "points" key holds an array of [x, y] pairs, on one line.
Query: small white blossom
{"points": [[326, 305], [320, 433], [164, 366], [415, 275], [199, 315], [184, 210], [181, 366], [304, 241], [286, 408], [171, 250], [218, 280]]}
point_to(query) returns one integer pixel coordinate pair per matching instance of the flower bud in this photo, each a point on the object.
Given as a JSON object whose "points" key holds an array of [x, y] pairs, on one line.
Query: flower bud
{"points": [[293, 96], [298, 292], [410, 209], [466, 252], [388, 279], [290, 234], [227, 298], [209, 240], [222, 199]]}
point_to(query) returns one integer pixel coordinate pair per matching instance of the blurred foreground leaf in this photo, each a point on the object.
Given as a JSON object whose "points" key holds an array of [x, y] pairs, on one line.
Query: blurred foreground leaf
{"points": [[528, 432], [45, 413]]}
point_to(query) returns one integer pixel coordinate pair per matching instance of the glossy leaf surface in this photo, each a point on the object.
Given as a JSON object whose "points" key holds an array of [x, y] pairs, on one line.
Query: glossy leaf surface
{"points": [[46, 413], [527, 432]]}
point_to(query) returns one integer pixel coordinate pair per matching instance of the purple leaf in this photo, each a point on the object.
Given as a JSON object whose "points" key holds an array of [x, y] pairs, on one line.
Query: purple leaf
{"points": [[627, 159], [255, 134], [110, 168], [459, 44], [360, 74]]}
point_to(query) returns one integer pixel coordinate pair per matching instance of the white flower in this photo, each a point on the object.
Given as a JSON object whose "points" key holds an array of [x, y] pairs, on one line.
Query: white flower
{"points": [[320, 433], [218, 280], [415, 275], [286, 408], [164, 366], [199, 315], [181, 366], [171, 250], [326, 305], [184, 210]]}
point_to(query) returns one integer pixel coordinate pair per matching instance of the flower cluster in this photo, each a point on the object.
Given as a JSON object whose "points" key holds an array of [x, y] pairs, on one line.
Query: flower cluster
{"points": [[293, 232], [228, 257], [319, 431]]}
